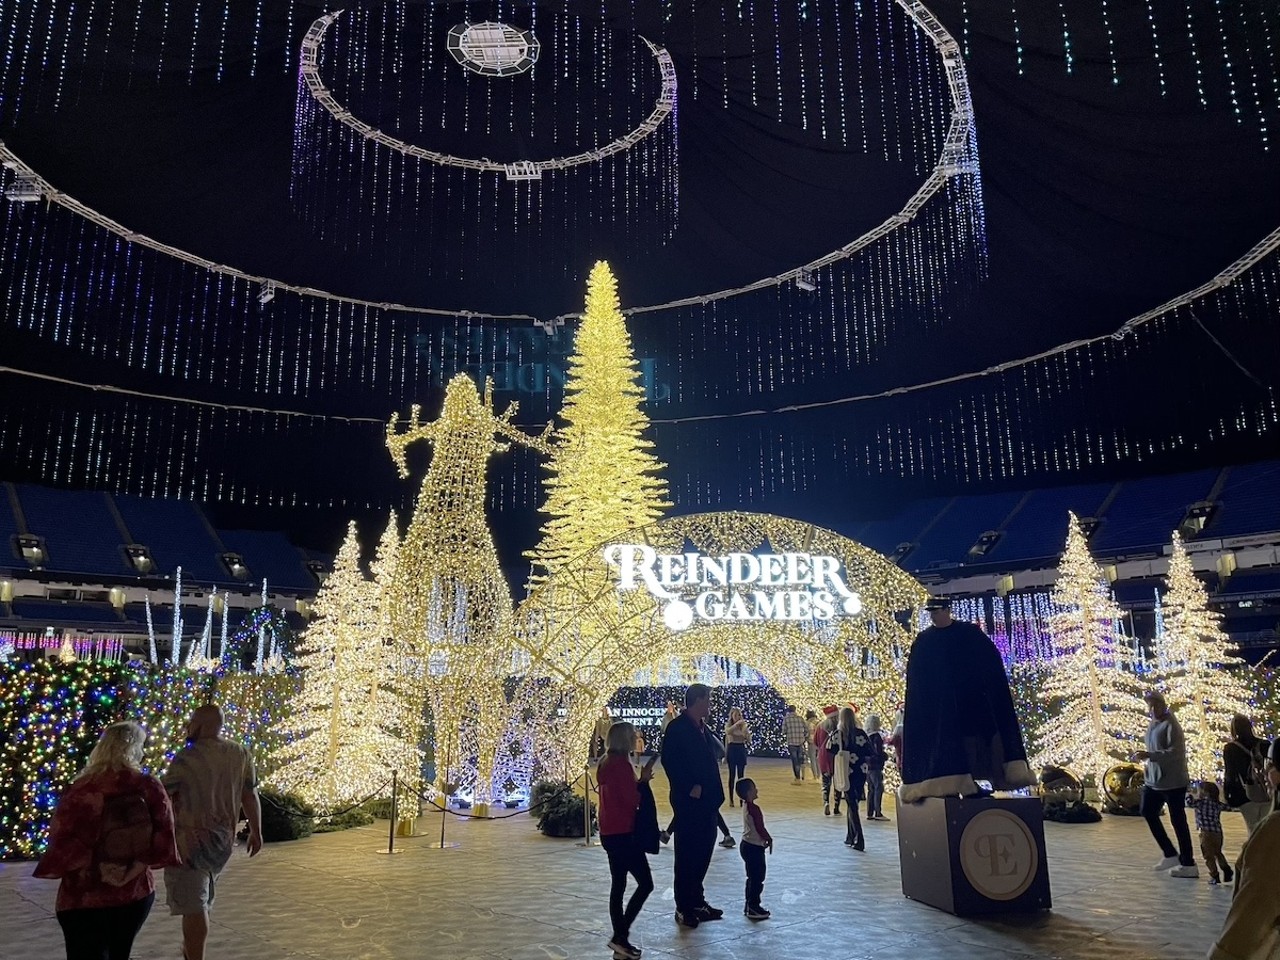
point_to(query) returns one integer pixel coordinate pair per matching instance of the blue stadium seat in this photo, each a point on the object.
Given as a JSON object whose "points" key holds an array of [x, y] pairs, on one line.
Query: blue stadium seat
{"points": [[269, 555], [78, 529], [177, 535], [1249, 502], [948, 542], [1145, 513], [1244, 582], [904, 527], [1039, 530]]}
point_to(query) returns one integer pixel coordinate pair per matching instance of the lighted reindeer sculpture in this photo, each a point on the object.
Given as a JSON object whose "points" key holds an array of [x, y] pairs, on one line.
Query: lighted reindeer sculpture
{"points": [[450, 606]]}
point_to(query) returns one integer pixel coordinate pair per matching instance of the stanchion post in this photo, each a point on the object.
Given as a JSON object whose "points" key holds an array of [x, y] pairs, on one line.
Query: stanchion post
{"points": [[586, 805], [391, 830], [444, 815]]}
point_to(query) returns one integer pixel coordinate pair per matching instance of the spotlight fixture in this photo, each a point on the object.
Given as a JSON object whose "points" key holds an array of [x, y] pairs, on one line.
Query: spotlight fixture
{"points": [[266, 292], [318, 569], [234, 564], [982, 546], [1198, 514], [32, 549], [139, 558], [806, 281], [24, 189], [900, 552]]}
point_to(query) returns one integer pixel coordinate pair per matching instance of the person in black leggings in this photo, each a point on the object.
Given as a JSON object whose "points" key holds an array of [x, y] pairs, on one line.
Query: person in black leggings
{"points": [[735, 747]]}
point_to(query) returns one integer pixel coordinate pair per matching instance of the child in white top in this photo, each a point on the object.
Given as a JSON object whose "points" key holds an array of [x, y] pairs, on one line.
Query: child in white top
{"points": [[755, 841]]}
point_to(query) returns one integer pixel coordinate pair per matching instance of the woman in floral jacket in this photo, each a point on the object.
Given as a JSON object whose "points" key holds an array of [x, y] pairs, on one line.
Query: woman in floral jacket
{"points": [[855, 743], [110, 828]]}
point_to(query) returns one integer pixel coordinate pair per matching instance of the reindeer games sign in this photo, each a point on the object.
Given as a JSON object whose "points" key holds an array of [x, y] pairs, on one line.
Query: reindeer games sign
{"points": [[736, 586]]}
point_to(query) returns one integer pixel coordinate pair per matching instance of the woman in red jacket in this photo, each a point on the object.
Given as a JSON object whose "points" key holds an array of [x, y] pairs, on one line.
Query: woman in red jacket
{"points": [[619, 801], [111, 826]]}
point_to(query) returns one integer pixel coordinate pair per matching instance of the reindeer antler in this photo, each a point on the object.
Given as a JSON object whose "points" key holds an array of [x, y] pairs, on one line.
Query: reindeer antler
{"points": [[415, 430]]}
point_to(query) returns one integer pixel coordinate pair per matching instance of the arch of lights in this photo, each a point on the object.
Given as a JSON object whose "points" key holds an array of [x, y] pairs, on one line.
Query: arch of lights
{"points": [[514, 170], [590, 629]]}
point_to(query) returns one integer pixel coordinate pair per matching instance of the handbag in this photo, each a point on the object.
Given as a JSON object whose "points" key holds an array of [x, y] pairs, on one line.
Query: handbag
{"points": [[840, 775]]}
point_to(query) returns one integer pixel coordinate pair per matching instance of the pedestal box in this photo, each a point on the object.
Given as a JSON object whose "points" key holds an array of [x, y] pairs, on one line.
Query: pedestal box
{"points": [[976, 856]]}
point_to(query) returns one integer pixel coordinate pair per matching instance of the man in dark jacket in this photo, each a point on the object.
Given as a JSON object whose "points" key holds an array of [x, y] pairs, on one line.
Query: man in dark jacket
{"points": [[689, 760]]}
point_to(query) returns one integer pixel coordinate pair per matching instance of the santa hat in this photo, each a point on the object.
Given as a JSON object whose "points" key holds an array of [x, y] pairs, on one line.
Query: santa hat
{"points": [[852, 706], [829, 711]]}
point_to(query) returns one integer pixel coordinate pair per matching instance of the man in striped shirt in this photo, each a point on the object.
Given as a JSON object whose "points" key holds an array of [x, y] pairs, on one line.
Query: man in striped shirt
{"points": [[796, 733]]}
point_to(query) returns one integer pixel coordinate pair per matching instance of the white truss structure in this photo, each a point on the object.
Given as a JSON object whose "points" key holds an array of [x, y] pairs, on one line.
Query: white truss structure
{"points": [[519, 170], [32, 180], [959, 157]]}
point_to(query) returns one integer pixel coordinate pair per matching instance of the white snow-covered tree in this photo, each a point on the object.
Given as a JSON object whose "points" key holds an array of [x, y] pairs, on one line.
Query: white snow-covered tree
{"points": [[1090, 689], [342, 741], [1203, 679]]}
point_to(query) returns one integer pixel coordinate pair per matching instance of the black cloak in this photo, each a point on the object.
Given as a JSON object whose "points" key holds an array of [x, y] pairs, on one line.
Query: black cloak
{"points": [[958, 724]]}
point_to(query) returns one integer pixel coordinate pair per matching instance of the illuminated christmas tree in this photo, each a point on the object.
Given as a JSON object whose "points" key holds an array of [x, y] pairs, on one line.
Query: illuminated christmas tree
{"points": [[449, 602], [395, 690], [1092, 693], [604, 478], [1203, 679], [343, 743]]}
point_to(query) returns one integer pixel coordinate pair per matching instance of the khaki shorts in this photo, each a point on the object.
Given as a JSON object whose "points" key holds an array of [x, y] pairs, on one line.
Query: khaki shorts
{"points": [[189, 890]]}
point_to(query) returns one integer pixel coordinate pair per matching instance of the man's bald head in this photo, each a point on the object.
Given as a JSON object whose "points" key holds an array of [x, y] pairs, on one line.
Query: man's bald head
{"points": [[206, 722]]}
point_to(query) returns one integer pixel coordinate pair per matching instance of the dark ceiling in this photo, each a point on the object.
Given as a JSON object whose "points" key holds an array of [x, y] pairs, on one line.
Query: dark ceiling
{"points": [[1124, 160]]}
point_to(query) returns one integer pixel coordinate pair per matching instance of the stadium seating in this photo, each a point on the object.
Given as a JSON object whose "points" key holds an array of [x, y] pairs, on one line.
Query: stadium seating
{"points": [[1249, 502], [948, 541], [80, 534], [178, 536], [270, 555], [1039, 530], [1145, 512]]}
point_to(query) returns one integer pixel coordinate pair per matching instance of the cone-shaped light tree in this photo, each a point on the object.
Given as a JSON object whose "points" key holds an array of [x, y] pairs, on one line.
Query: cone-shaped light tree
{"points": [[1204, 680], [394, 691], [341, 742], [604, 477], [1100, 715]]}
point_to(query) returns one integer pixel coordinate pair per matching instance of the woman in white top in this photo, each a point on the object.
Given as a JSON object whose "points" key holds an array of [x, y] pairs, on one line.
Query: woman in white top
{"points": [[736, 733]]}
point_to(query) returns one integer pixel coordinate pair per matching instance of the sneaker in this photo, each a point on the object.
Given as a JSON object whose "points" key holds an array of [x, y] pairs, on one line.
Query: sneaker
{"points": [[622, 948], [1190, 872], [706, 913], [1168, 863], [686, 919], [664, 837], [1214, 881], [756, 913], [1228, 874], [836, 812], [860, 846], [796, 782], [728, 843], [881, 817], [826, 809]]}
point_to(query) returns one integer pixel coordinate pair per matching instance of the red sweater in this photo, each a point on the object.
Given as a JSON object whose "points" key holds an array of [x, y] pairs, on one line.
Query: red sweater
{"points": [[76, 852], [619, 796]]}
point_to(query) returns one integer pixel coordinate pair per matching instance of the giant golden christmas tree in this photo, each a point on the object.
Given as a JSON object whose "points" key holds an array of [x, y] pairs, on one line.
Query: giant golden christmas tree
{"points": [[603, 476], [1204, 682], [448, 600], [1099, 716]]}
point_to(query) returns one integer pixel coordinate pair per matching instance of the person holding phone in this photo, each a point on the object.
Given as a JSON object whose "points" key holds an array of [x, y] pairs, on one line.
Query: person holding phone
{"points": [[628, 831]]}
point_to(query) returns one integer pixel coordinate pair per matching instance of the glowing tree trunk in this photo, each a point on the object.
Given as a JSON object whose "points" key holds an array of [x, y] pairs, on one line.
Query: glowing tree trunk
{"points": [[1203, 679], [603, 477], [449, 601], [342, 741], [1100, 715]]}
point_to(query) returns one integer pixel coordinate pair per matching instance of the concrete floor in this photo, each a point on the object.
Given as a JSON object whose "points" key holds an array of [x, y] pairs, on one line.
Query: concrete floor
{"points": [[507, 893]]}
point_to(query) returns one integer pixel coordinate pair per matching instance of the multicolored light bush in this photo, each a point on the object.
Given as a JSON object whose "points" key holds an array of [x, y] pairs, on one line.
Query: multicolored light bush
{"points": [[51, 714]]}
